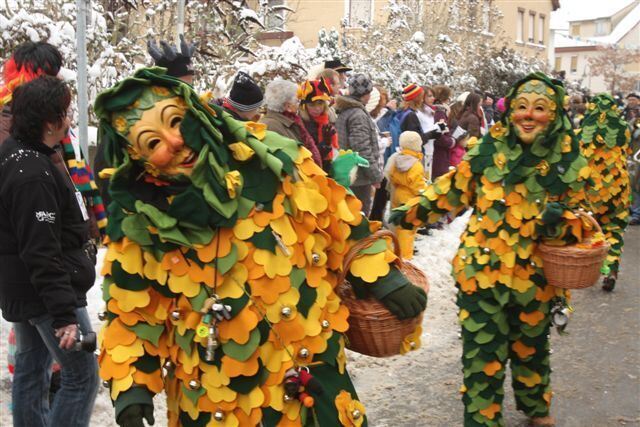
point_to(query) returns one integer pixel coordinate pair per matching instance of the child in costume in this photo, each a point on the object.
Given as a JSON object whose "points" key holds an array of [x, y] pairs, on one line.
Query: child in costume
{"points": [[517, 180], [605, 143], [224, 244], [405, 180]]}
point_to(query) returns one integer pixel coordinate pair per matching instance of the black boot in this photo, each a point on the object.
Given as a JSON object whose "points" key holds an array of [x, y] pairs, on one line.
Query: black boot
{"points": [[608, 283]]}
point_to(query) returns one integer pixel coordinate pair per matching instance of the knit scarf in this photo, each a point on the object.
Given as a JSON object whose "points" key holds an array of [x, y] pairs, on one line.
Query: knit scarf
{"points": [[307, 140]]}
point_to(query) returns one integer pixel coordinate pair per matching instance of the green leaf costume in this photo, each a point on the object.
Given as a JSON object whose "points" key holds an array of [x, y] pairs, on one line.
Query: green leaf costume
{"points": [[503, 296], [258, 231]]}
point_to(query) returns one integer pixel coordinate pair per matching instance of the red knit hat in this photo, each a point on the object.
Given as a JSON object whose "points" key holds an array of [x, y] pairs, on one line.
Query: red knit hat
{"points": [[314, 90], [412, 91]]}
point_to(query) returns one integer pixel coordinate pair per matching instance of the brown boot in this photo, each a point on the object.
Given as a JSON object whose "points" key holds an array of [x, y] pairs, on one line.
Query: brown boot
{"points": [[547, 421]]}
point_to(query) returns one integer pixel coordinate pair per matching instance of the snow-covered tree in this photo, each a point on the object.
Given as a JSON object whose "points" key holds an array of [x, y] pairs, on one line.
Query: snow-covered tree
{"points": [[611, 64], [497, 69]]}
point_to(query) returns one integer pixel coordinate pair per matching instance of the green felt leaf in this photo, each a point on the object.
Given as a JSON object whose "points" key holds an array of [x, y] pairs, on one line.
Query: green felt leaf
{"points": [[201, 236], [483, 337], [472, 354], [308, 296], [471, 325], [185, 341], [264, 240], [124, 280], [375, 248], [198, 301], [135, 227], [148, 332], [147, 363], [224, 264], [244, 207], [487, 307], [193, 395], [157, 217], [297, 276], [237, 304], [174, 235], [242, 352]]}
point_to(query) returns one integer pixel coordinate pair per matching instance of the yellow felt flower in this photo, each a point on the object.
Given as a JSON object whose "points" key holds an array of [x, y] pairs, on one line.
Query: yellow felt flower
{"points": [[233, 180], [350, 411], [412, 341], [121, 125], [213, 377], [497, 130], [183, 285], [241, 151], [370, 267], [122, 384], [129, 300], [273, 264], [245, 229], [253, 399], [566, 144], [259, 130], [288, 302], [543, 168], [307, 197]]}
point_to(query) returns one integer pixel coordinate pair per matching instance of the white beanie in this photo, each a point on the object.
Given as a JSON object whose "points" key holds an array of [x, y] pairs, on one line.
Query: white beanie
{"points": [[411, 140], [373, 100], [462, 97]]}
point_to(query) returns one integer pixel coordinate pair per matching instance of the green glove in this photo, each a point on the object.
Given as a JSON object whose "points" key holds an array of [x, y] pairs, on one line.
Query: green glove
{"points": [[132, 415], [406, 302], [552, 213], [395, 291], [396, 217]]}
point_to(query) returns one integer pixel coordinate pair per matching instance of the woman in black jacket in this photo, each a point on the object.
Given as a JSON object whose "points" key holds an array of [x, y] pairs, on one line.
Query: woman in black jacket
{"points": [[45, 271]]}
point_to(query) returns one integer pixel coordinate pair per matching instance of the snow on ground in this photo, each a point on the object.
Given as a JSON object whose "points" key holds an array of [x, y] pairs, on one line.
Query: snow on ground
{"points": [[374, 378]]}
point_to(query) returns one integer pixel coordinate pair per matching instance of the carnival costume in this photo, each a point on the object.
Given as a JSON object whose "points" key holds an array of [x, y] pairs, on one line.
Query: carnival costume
{"points": [[517, 180], [221, 267], [605, 141]]}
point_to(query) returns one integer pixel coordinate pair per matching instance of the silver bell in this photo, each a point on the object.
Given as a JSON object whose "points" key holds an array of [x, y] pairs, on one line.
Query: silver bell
{"points": [[412, 345], [286, 398], [286, 312], [356, 414], [175, 315], [259, 207], [303, 353], [218, 416], [315, 258], [486, 250], [102, 316], [325, 324], [194, 384], [105, 384]]}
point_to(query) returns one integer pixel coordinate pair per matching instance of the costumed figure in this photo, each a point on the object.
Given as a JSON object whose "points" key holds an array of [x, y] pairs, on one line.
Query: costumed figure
{"points": [[224, 244], [605, 143], [517, 179], [406, 179]]}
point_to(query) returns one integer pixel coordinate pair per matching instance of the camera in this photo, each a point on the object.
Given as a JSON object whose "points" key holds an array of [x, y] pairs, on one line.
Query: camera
{"points": [[86, 342]]}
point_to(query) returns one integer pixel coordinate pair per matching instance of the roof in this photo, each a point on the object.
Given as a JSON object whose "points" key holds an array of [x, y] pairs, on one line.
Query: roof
{"points": [[622, 29], [563, 40], [597, 10]]}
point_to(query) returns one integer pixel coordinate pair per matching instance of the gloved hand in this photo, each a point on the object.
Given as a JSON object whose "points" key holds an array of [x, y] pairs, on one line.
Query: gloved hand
{"points": [[406, 302], [132, 415], [552, 213]]}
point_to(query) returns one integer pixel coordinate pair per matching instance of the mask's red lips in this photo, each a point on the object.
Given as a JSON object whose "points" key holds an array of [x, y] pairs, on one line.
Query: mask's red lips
{"points": [[189, 161]]}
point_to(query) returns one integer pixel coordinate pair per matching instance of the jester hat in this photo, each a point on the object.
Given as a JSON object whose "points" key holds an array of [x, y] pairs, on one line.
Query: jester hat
{"points": [[314, 90]]}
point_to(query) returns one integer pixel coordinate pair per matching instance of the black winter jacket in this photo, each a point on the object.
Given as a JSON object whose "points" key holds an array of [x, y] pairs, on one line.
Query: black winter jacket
{"points": [[43, 266]]}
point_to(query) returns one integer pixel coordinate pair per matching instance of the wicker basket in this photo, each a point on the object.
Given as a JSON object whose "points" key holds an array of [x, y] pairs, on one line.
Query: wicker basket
{"points": [[373, 330], [571, 267]]}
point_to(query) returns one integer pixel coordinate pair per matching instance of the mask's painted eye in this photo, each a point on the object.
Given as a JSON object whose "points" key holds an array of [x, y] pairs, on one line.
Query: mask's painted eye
{"points": [[539, 108], [175, 121], [153, 143]]}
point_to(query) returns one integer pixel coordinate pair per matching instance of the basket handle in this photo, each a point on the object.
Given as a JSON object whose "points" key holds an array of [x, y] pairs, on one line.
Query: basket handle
{"points": [[589, 218], [365, 243]]}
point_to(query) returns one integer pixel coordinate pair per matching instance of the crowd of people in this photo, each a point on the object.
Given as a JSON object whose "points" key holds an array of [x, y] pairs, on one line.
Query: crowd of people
{"points": [[193, 182]]}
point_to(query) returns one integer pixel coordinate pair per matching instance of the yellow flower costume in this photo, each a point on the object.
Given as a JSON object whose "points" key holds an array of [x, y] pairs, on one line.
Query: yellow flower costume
{"points": [[515, 180], [219, 281], [605, 141]]}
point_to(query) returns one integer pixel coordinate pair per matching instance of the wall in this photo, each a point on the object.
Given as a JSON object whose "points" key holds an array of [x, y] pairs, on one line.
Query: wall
{"points": [[509, 9], [595, 83]]}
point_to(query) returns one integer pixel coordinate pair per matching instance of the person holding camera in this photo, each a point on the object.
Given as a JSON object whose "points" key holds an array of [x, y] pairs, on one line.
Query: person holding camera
{"points": [[45, 266]]}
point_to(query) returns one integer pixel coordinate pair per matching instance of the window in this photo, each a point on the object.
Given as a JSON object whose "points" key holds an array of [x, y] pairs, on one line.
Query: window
{"points": [[486, 16], [541, 29], [360, 12], [520, 26], [601, 27], [575, 30], [574, 64], [532, 27], [558, 65], [275, 15]]}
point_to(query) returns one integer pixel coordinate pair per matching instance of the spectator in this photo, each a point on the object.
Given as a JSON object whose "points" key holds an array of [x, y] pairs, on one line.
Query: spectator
{"points": [[45, 270], [382, 113], [333, 78], [458, 151], [245, 99], [444, 142], [282, 117], [358, 132], [405, 177], [577, 108], [471, 118], [414, 101], [343, 71], [488, 108], [319, 119]]}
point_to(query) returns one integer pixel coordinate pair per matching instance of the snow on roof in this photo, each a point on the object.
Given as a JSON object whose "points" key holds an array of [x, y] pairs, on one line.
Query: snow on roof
{"points": [[563, 40], [622, 29], [597, 10]]}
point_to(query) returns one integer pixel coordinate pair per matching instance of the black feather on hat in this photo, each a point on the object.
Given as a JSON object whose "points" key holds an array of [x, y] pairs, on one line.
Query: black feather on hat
{"points": [[177, 63]]}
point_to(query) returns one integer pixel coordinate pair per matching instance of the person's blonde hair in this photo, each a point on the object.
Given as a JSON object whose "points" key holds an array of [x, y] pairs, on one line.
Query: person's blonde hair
{"points": [[415, 104], [441, 93]]}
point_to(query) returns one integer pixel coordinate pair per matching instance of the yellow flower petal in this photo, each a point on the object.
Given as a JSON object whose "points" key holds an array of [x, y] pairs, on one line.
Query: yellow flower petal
{"points": [[370, 267], [259, 130], [122, 384], [241, 151], [233, 181], [245, 229], [129, 300], [531, 381]]}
